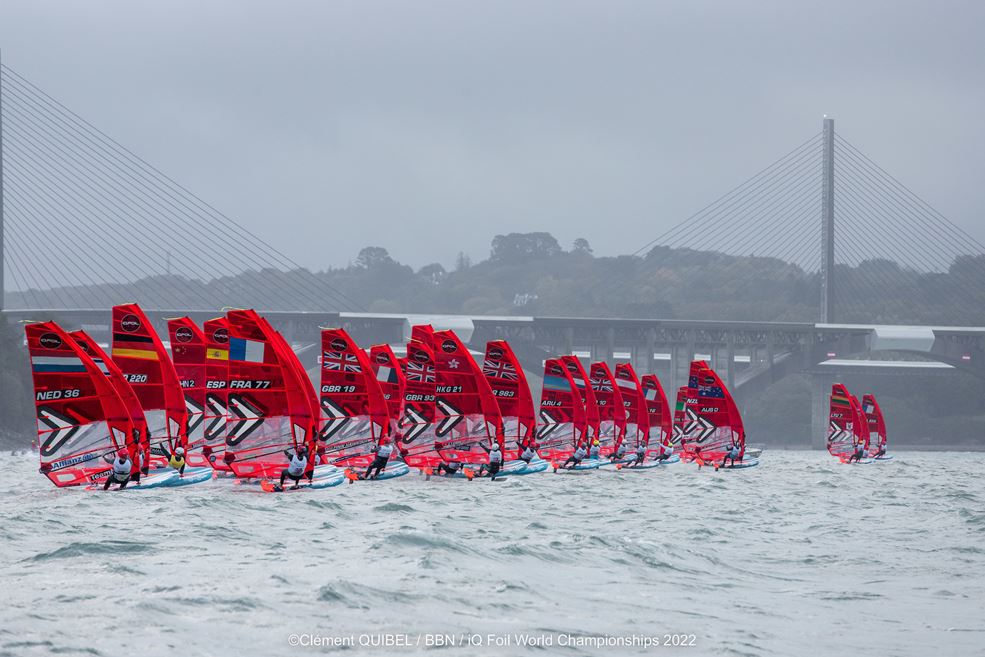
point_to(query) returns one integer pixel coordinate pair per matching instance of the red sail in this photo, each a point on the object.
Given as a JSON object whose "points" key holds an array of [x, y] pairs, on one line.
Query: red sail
{"points": [[634, 402], [847, 424], [416, 434], [684, 424], [467, 417], [660, 413], [392, 382], [562, 414], [81, 419], [354, 415], [145, 363], [877, 424], [612, 410], [269, 411], [216, 392], [423, 333], [123, 389], [718, 422], [509, 385], [188, 347], [586, 394]]}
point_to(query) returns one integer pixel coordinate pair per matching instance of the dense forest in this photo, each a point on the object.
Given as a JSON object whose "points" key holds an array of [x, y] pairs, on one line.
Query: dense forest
{"points": [[533, 274]]}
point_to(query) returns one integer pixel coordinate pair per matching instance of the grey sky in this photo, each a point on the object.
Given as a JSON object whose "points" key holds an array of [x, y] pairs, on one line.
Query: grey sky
{"points": [[428, 127]]}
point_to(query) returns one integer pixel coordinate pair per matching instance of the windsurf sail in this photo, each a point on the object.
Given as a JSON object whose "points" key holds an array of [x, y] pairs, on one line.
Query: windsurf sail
{"points": [[877, 425], [563, 425], [147, 367], [661, 416], [612, 410], [684, 424], [123, 389], [416, 432], [269, 412], [81, 420], [467, 417], [588, 401], [354, 415], [719, 424], [634, 403], [390, 376], [188, 348], [216, 392], [509, 385], [847, 424]]}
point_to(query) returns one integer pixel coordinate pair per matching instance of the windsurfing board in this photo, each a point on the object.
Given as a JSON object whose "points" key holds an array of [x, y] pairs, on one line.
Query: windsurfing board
{"points": [[391, 471], [154, 479], [324, 476]]}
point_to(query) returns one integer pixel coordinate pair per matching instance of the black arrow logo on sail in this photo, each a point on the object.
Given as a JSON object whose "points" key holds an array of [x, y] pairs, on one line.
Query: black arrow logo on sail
{"points": [[217, 424], [337, 418], [706, 427], [452, 417], [246, 416], [835, 432], [549, 426], [195, 415], [63, 429], [417, 423]]}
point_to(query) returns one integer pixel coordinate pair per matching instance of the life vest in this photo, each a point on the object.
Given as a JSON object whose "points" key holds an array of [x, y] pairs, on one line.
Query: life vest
{"points": [[296, 468], [384, 451], [528, 454], [579, 453], [176, 462], [495, 456], [122, 467]]}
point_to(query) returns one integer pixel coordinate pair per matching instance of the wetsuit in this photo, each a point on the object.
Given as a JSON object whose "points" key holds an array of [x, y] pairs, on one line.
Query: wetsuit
{"points": [[859, 450], [881, 451], [575, 458], [448, 468], [294, 470], [121, 473], [379, 462], [495, 461], [731, 455], [528, 454], [620, 452], [593, 453], [640, 455], [175, 461]]}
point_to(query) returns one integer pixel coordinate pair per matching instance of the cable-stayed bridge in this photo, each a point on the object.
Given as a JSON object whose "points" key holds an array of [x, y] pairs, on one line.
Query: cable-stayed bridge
{"points": [[86, 223]]}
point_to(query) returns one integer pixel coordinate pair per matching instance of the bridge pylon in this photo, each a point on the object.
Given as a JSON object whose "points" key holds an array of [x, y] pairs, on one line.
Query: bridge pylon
{"points": [[828, 221]]}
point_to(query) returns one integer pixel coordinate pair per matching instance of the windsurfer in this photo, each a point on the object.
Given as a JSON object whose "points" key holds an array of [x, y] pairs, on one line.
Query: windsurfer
{"points": [[593, 453], [176, 459], [619, 453], [529, 453], [383, 451], [122, 467], [495, 460], [639, 455], [296, 468], [576, 457], [732, 454], [451, 467], [859, 451], [666, 451], [881, 451]]}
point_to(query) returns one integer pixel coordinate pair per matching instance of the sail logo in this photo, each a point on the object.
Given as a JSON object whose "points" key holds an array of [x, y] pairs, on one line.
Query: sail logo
{"points": [[338, 344], [183, 334], [50, 341], [382, 358], [130, 323], [496, 353], [449, 346], [220, 335]]}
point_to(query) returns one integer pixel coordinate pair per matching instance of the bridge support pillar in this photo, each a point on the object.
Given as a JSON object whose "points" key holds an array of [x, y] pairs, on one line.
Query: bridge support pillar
{"points": [[820, 389], [730, 361]]}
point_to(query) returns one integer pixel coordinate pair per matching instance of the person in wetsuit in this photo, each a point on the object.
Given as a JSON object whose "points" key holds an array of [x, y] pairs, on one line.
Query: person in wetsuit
{"points": [[122, 467], [528, 454], [495, 460], [383, 451], [732, 454], [577, 457], [858, 453], [297, 466], [619, 453], [449, 468]]}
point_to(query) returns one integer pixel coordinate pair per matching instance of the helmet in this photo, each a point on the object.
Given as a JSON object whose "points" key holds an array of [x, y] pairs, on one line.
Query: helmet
{"points": [[121, 453], [180, 451]]}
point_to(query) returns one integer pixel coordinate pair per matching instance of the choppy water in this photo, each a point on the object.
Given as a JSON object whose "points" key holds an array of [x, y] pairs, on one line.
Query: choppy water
{"points": [[800, 556]]}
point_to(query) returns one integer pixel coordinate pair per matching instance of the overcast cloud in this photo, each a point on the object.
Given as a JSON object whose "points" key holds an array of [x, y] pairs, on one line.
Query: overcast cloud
{"points": [[428, 127]]}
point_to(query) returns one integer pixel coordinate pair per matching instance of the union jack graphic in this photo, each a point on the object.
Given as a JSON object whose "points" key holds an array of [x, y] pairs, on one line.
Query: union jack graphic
{"points": [[601, 384], [340, 362], [500, 369], [421, 372]]}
